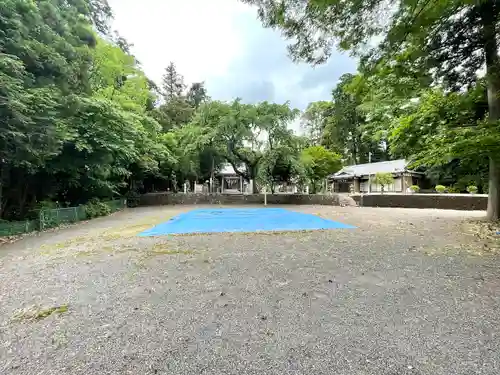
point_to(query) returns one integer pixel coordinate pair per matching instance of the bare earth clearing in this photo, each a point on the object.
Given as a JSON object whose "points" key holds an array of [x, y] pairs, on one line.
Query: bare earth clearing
{"points": [[408, 292]]}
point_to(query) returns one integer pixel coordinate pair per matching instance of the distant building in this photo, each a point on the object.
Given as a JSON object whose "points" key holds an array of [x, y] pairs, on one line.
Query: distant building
{"points": [[230, 181], [356, 177]]}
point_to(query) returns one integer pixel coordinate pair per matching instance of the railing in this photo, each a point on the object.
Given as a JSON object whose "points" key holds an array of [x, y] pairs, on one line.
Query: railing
{"points": [[51, 218]]}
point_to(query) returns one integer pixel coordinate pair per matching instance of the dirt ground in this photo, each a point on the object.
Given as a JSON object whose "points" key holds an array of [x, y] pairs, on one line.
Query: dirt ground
{"points": [[406, 292]]}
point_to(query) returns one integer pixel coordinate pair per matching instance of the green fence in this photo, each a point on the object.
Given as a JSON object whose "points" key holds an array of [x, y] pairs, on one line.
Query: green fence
{"points": [[53, 218], [117, 204], [11, 228]]}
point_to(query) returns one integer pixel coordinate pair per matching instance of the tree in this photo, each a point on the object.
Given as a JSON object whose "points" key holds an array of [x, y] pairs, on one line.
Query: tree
{"points": [[75, 108], [197, 94], [344, 129], [177, 109], [244, 133], [176, 112], [314, 120], [44, 61], [383, 179], [319, 163], [172, 83], [451, 38], [281, 162]]}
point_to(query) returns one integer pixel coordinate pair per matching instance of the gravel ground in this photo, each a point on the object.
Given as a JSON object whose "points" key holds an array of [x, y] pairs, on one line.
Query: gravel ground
{"points": [[408, 292]]}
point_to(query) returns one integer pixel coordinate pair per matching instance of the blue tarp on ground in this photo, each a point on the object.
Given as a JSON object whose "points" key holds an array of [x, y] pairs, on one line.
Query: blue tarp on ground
{"points": [[215, 220]]}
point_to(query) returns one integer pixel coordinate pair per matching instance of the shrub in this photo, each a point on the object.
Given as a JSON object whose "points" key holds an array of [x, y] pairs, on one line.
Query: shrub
{"points": [[415, 188], [133, 198], [440, 188], [383, 179], [472, 189], [454, 189], [95, 208], [47, 205]]}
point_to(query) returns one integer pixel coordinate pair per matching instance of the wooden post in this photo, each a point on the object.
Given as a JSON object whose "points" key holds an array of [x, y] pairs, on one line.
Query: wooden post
{"points": [[40, 219], [265, 196]]}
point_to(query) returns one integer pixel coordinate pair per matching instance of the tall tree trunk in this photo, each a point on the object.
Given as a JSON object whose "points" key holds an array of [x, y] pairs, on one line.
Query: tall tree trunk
{"points": [[212, 176], [489, 16], [3, 176], [253, 174], [1, 189], [493, 197]]}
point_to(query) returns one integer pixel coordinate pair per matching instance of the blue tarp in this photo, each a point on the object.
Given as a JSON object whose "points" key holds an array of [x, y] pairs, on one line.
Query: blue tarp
{"points": [[214, 220]]}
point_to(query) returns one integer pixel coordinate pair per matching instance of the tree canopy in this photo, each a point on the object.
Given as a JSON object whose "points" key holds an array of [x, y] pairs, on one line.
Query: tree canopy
{"points": [[81, 120], [427, 86]]}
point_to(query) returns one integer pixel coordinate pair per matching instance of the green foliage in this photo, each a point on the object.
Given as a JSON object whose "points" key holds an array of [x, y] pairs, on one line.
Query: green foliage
{"points": [[314, 120], [95, 208], [418, 93], [197, 94], [172, 83], [472, 189], [247, 136], [415, 188], [383, 179], [453, 190], [440, 188], [78, 120], [319, 163]]}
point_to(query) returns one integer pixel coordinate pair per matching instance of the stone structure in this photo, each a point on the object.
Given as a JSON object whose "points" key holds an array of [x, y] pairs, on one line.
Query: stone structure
{"points": [[158, 199], [440, 201]]}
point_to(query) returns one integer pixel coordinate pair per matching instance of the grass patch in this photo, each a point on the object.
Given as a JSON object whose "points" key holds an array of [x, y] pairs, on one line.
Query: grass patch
{"points": [[134, 229], [83, 253], [170, 252], [161, 250], [52, 248], [61, 245], [36, 313]]}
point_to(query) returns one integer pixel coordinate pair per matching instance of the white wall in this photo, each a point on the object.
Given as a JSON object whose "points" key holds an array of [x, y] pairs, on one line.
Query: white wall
{"points": [[396, 186]]}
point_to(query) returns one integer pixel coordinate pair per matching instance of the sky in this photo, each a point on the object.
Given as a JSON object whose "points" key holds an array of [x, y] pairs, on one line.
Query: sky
{"points": [[222, 43]]}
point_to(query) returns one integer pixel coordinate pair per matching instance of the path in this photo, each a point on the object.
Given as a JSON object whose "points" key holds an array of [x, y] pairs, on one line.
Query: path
{"points": [[406, 293]]}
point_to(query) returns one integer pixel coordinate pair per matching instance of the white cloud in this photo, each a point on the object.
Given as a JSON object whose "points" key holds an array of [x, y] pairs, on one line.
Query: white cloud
{"points": [[198, 35], [223, 43]]}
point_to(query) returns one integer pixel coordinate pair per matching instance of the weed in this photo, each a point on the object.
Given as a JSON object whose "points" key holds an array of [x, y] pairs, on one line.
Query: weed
{"points": [[35, 313]]}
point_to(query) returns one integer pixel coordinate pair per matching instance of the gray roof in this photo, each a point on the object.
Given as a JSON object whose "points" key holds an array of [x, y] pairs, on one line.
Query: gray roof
{"points": [[228, 170], [393, 166]]}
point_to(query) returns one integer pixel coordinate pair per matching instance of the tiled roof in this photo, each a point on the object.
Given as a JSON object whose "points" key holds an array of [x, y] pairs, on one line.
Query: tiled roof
{"points": [[228, 170], [393, 166]]}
